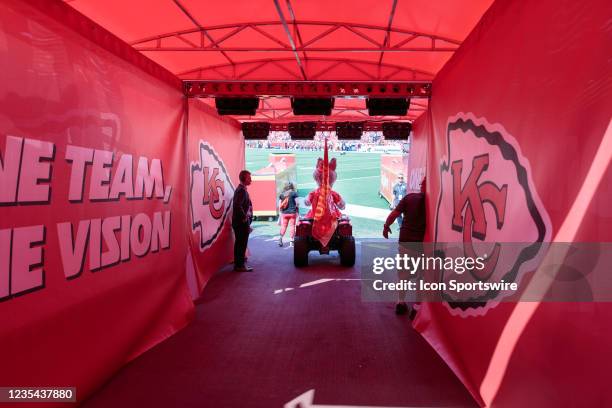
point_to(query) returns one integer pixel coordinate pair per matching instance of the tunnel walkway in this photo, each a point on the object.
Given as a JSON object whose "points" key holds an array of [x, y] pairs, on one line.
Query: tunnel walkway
{"points": [[264, 338]]}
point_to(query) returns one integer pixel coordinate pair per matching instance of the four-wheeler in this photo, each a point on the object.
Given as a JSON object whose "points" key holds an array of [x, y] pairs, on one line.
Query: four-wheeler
{"points": [[342, 241]]}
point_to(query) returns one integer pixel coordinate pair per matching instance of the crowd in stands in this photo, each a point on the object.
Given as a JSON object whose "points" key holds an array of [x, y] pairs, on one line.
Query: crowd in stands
{"points": [[370, 141]]}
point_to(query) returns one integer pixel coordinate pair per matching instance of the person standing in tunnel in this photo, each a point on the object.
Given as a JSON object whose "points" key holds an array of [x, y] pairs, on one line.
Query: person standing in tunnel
{"points": [[412, 208], [399, 191], [242, 216], [289, 211]]}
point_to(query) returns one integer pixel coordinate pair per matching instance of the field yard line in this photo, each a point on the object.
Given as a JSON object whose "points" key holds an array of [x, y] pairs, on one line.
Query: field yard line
{"points": [[361, 211], [360, 170], [341, 168], [301, 185]]}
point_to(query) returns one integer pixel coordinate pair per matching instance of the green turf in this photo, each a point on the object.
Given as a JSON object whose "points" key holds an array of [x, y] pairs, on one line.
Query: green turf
{"points": [[358, 173], [358, 182]]}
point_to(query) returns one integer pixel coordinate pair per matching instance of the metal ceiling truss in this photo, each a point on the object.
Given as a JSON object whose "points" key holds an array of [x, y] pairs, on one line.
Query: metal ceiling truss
{"points": [[412, 89], [202, 38], [290, 38], [324, 66], [340, 114], [387, 39], [203, 32], [327, 126], [332, 119]]}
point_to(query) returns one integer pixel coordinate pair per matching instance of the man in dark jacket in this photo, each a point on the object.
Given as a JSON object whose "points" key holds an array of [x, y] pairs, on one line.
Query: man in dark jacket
{"points": [[242, 216], [412, 208]]}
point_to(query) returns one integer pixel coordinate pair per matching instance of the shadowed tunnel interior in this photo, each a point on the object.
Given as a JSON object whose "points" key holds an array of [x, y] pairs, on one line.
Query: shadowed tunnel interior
{"points": [[272, 347]]}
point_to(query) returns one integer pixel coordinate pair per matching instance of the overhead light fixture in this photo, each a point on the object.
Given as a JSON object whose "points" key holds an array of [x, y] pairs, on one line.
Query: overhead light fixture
{"points": [[312, 106], [255, 130], [237, 106], [387, 106], [349, 130], [302, 130], [396, 130]]}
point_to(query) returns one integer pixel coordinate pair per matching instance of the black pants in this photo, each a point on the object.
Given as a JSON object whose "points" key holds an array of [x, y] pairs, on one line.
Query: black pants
{"points": [[241, 234]]}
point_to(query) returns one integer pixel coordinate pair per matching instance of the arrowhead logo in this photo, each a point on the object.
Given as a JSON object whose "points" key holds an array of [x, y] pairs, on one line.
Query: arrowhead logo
{"points": [[487, 199], [210, 195]]}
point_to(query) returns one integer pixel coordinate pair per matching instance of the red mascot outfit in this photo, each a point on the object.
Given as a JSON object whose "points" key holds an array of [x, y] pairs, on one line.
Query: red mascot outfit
{"points": [[313, 196], [326, 203]]}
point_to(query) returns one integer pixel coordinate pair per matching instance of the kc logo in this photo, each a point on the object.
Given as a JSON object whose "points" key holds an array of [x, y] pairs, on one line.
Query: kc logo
{"points": [[474, 195], [487, 201], [210, 195], [214, 190]]}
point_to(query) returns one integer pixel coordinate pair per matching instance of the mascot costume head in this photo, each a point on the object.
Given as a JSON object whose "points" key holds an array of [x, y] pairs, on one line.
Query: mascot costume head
{"points": [[326, 203]]}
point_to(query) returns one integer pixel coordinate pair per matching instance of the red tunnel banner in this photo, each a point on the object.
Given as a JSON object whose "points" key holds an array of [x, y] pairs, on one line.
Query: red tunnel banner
{"points": [[215, 156], [104, 200], [519, 151], [417, 159], [93, 219]]}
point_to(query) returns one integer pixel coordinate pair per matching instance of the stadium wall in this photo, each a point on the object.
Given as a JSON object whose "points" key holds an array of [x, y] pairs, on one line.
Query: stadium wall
{"points": [[525, 106], [96, 148]]}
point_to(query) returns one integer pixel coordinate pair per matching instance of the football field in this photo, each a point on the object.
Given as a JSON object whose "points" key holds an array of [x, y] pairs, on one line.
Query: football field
{"points": [[358, 182]]}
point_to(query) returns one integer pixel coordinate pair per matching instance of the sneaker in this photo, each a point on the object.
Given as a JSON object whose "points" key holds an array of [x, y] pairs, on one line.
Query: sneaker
{"points": [[280, 242], [401, 308], [243, 269]]}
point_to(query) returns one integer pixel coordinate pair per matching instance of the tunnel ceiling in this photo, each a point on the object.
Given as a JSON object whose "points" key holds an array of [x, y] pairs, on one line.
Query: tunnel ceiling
{"points": [[291, 40]]}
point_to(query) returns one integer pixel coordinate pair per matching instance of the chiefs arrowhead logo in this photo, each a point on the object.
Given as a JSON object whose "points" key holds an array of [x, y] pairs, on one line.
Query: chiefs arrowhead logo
{"points": [[487, 199], [210, 195]]}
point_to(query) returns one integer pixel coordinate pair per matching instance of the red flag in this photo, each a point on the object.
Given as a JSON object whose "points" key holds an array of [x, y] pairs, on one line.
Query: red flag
{"points": [[325, 221]]}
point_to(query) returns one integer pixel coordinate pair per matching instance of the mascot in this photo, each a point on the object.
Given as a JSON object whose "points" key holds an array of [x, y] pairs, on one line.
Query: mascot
{"points": [[326, 203]]}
